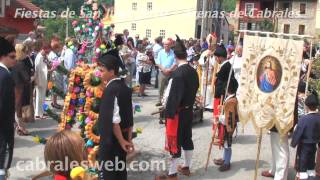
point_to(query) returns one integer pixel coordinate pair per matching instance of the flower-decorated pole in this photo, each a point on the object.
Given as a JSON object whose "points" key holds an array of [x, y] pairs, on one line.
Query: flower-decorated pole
{"points": [[53, 89], [50, 113]]}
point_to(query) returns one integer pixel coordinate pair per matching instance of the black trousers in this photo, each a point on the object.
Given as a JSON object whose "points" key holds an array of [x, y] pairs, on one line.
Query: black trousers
{"points": [[118, 169], [184, 132], [156, 83], [306, 157], [6, 151]]}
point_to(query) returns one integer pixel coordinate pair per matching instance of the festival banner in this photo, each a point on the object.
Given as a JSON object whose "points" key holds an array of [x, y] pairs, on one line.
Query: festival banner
{"points": [[269, 81]]}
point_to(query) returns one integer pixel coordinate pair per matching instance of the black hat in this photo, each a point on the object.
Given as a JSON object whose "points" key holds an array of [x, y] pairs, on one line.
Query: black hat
{"points": [[312, 100], [180, 49], [220, 51], [196, 57], [119, 40], [5, 47], [115, 52], [233, 86]]}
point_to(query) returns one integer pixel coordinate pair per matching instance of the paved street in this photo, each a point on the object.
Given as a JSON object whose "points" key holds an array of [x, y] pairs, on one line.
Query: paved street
{"points": [[150, 145]]}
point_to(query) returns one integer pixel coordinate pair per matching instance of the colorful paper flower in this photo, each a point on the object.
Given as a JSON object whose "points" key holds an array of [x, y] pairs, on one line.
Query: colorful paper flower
{"points": [[50, 85]]}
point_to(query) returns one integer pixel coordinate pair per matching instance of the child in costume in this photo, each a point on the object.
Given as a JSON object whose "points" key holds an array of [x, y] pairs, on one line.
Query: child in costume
{"points": [[229, 121], [66, 144], [306, 136]]}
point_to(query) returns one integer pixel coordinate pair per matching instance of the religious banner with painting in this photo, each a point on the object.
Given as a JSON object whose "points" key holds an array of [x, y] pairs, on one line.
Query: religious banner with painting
{"points": [[269, 81]]}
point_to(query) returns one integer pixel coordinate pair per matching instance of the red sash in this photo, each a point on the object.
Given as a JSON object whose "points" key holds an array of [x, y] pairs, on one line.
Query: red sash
{"points": [[219, 127], [59, 177], [172, 134], [216, 110]]}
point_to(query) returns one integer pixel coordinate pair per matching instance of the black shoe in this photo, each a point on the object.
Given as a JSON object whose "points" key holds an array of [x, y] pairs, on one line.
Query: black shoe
{"points": [[159, 104]]}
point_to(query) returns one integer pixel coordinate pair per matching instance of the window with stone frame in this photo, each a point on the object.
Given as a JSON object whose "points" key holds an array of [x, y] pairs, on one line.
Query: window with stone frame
{"points": [[301, 29], [249, 8], [163, 33], [148, 33], [149, 6], [283, 6], [303, 8], [133, 26], [286, 28], [2, 7], [134, 6]]}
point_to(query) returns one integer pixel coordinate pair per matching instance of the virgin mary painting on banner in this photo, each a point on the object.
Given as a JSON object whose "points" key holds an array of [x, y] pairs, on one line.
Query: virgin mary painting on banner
{"points": [[269, 81]]}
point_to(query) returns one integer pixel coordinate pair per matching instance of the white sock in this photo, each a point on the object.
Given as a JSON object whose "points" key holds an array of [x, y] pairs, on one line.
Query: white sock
{"points": [[173, 166], [311, 173], [2, 172], [187, 158], [303, 175]]}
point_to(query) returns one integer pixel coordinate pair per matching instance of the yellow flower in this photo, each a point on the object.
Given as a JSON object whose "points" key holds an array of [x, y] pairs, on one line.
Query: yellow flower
{"points": [[77, 172], [36, 139]]}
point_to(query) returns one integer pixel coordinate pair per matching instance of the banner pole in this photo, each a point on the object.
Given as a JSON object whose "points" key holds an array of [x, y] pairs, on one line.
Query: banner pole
{"points": [[309, 70], [259, 139]]}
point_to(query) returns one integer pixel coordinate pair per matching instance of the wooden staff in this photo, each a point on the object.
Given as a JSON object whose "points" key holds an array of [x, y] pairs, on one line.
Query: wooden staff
{"points": [[212, 140], [210, 148], [206, 85], [221, 103], [259, 139]]}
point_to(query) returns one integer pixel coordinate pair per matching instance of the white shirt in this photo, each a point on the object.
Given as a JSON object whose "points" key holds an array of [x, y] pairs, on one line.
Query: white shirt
{"points": [[116, 117], [52, 56], [41, 71], [69, 59], [237, 64], [313, 112], [142, 66], [190, 52], [4, 66], [224, 62], [166, 93], [156, 49]]}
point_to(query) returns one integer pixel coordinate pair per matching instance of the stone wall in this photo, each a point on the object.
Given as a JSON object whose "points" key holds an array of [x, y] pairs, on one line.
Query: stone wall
{"points": [[308, 19]]}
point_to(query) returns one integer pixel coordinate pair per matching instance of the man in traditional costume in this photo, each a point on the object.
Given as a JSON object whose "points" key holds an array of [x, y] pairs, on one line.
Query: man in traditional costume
{"points": [[206, 71], [229, 121], [115, 121], [221, 77], [307, 136], [182, 89]]}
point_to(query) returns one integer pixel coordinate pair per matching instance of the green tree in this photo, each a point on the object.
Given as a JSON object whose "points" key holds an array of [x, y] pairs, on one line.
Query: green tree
{"points": [[59, 5], [229, 5], [267, 25], [315, 83], [56, 26]]}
